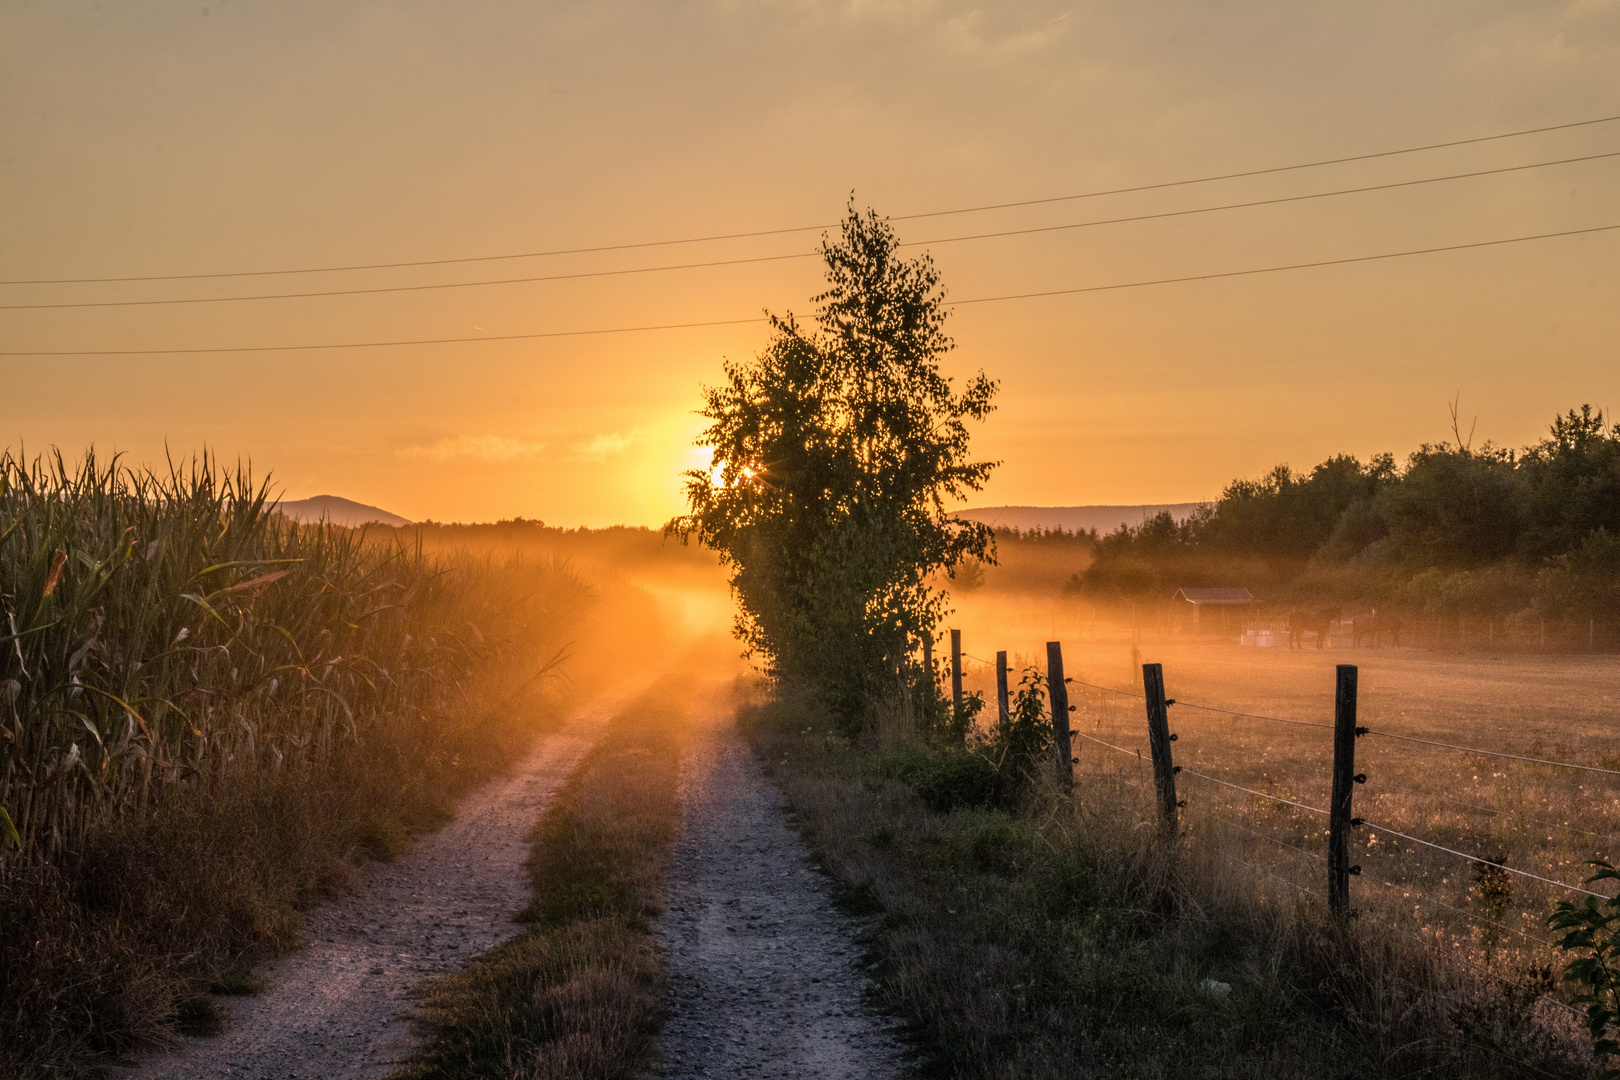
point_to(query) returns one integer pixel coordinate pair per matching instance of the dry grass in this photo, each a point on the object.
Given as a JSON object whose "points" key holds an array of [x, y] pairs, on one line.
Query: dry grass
{"points": [[582, 993], [121, 946], [1541, 819], [1544, 820], [1066, 941]]}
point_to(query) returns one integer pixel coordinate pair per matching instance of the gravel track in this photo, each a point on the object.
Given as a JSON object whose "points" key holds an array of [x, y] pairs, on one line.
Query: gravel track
{"points": [[334, 1009], [766, 977]]}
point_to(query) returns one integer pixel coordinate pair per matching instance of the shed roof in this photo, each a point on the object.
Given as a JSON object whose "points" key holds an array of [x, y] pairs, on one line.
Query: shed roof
{"points": [[1216, 596]]}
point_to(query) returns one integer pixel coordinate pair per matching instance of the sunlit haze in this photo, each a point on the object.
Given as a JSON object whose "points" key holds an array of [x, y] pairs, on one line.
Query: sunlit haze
{"points": [[220, 137]]}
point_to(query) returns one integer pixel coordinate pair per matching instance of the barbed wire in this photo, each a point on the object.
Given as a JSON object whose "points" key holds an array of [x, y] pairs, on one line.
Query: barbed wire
{"points": [[1491, 753], [1253, 716], [1251, 791], [1486, 972], [1425, 899], [1484, 861], [1264, 836], [1134, 753], [1110, 689], [1500, 813]]}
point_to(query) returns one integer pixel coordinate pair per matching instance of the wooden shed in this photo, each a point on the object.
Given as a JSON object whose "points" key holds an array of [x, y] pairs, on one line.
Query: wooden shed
{"points": [[1221, 598]]}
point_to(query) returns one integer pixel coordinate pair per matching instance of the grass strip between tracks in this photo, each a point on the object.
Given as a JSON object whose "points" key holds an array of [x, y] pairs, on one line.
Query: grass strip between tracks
{"points": [[581, 993]]}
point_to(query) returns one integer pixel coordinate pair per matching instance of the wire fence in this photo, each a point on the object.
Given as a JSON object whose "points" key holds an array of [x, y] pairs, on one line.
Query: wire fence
{"points": [[1428, 885]]}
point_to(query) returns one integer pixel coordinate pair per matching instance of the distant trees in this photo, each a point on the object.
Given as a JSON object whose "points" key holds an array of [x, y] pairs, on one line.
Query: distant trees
{"points": [[1455, 529], [834, 453]]}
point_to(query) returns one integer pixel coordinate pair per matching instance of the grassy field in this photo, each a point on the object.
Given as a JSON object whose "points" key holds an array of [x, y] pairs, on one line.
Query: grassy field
{"points": [[1545, 820], [1062, 939], [210, 714], [581, 994], [1053, 942]]}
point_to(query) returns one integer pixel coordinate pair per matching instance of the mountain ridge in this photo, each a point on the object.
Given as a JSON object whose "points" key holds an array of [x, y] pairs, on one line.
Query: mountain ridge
{"points": [[336, 510]]}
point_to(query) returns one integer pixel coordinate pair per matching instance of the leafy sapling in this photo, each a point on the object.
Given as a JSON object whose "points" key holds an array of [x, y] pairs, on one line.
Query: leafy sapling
{"points": [[1592, 932]]}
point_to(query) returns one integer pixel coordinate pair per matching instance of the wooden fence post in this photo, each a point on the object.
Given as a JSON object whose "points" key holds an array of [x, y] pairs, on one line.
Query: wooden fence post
{"points": [[1003, 712], [1164, 769], [1344, 784], [1057, 691], [956, 681]]}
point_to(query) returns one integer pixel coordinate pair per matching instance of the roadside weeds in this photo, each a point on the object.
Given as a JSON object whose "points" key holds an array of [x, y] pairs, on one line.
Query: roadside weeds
{"points": [[1050, 941]]}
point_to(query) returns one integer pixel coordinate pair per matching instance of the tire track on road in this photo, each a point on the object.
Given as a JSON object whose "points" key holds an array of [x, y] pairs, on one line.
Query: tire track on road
{"points": [[334, 1009], [765, 972]]}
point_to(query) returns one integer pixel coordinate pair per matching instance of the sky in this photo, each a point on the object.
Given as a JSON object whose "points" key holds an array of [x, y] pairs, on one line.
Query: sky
{"points": [[220, 137]]}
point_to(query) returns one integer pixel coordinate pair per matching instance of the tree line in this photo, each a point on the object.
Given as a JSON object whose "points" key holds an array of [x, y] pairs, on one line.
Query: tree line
{"points": [[1454, 530]]}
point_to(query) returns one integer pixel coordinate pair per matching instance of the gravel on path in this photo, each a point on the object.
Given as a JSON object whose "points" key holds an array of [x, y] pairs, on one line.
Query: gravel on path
{"points": [[334, 1008], [765, 972]]}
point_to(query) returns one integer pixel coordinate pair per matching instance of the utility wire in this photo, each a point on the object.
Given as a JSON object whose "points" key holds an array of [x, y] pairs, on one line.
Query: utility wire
{"points": [[796, 255], [739, 322], [816, 228], [412, 288], [1264, 202], [1261, 172], [387, 344], [1278, 269]]}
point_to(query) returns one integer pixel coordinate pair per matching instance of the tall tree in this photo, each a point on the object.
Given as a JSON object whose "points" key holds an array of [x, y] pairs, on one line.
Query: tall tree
{"points": [[834, 453]]}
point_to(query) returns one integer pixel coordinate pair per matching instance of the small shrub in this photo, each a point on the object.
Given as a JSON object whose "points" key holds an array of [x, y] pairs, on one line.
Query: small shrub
{"points": [[1593, 930]]}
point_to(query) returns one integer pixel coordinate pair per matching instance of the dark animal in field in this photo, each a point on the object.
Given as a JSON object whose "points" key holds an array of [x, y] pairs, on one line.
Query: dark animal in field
{"points": [[1376, 628], [1316, 621]]}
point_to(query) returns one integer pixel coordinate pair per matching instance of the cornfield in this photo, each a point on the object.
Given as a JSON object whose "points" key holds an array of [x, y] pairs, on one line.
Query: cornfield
{"points": [[169, 629]]}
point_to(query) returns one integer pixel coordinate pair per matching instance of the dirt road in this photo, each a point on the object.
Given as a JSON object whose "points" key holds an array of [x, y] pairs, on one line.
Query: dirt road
{"points": [[766, 975], [333, 1009]]}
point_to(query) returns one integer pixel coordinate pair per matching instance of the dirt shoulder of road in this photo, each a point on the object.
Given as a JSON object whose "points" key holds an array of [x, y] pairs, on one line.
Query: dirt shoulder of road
{"points": [[334, 1009]]}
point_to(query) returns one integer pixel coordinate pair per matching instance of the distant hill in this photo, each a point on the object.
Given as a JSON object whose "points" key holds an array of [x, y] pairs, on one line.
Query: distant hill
{"points": [[1105, 519], [338, 511]]}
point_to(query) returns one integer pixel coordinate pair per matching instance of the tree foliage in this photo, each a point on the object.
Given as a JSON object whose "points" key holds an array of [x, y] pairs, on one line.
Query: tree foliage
{"points": [[834, 452], [1454, 529]]}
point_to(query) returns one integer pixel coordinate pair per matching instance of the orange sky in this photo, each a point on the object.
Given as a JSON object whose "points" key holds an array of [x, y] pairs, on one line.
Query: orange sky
{"points": [[221, 136]]}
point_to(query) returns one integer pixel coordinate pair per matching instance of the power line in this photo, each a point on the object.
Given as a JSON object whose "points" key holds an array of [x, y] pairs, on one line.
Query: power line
{"points": [[806, 254], [1270, 202], [740, 322], [386, 344], [817, 228], [1290, 266], [1263, 172]]}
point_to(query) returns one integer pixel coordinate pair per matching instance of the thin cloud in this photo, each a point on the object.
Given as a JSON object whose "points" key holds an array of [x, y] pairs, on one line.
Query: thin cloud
{"points": [[494, 448], [601, 447]]}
